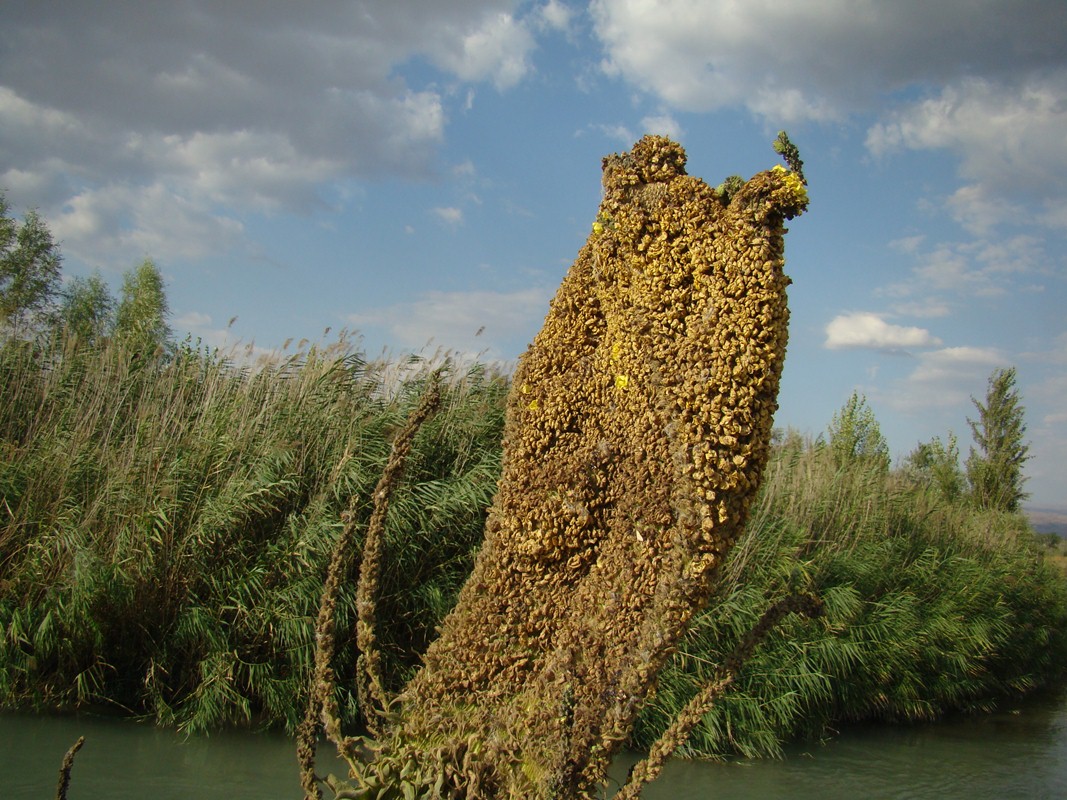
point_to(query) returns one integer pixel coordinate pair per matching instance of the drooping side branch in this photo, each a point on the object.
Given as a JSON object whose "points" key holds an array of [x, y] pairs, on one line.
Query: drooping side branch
{"points": [[675, 736]]}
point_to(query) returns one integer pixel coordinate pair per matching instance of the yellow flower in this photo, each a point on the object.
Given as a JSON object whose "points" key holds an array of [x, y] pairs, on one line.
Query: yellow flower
{"points": [[602, 221], [792, 182], [534, 405], [622, 381]]}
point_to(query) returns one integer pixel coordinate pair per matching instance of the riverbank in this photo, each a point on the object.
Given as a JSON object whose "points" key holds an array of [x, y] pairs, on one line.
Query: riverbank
{"points": [[165, 528], [931, 607]]}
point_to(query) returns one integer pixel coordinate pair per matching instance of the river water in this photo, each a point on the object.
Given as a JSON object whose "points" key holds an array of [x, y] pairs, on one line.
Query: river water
{"points": [[1019, 752]]}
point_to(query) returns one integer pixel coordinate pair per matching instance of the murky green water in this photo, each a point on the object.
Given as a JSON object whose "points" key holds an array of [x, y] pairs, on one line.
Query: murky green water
{"points": [[1017, 753]]}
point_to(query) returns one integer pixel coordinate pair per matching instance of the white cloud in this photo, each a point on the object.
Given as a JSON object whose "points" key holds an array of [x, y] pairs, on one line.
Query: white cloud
{"points": [[465, 169], [974, 208], [24, 119], [946, 378], [820, 59], [1058, 353], [1010, 135], [948, 268], [254, 107], [119, 224], [991, 81], [616, 131], [954, 361], [870, 331], [663, 125], [965, 270], [192, 320], [556, 15], [244, 169], [907, 244], [496, 50], [450, 215], [467, 323], [926, 307], [1054, 215]]}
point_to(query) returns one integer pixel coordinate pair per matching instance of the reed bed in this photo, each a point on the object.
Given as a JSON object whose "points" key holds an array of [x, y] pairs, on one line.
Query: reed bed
{"points": [[166, 523], [929, 608]]}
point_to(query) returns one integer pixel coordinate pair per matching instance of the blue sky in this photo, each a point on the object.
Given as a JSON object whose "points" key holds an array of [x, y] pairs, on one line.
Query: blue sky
{"points": [[418, 171]]}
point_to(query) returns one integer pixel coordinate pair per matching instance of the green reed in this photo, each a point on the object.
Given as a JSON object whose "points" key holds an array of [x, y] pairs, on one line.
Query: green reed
{"points": [[166, 523], [929, 608]]}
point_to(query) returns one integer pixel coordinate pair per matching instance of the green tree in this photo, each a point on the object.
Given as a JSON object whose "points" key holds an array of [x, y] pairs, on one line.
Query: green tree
{"points": [[141, 319], [995, 467], [856, 436], [29, 270], [87, 309], [937, 464]]}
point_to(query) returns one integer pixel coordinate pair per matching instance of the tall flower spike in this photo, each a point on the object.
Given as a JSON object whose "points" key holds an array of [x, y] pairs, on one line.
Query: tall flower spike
{"points": [[637, 430]]}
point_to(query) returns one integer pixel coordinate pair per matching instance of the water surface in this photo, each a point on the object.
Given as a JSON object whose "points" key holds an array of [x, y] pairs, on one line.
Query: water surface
{"points": [[1019, 752]]}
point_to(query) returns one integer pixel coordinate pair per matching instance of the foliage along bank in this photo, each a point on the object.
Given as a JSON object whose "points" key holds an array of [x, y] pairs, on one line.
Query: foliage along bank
{"points": [[165, 525]]}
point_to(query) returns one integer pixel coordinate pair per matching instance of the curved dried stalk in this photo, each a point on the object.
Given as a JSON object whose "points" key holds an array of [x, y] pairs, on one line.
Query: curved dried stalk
{"points": [[374, 700], [66, 767], [322, 706], [322, 703]]}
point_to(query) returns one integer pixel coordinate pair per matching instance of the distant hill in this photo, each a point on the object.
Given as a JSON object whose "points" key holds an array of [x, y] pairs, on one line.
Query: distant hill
{"points": [[1048, 521]]}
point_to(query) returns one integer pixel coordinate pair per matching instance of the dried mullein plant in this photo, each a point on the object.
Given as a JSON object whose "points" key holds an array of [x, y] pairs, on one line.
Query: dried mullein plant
{"points": [[638, 427]]}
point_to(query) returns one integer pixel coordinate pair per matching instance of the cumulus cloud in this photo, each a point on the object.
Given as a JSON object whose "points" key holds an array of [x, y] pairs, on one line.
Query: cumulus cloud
{"points": [[944, 379], [821, 59], [121, 224], [495, 50], [243, 105], [926, 307], [662, 125], [556, 15], [976, 209], [870, 331], [1010, 135], [473, 323], [947, 378], [450, 215], [986, 82], [615, 131], [965, 270]]}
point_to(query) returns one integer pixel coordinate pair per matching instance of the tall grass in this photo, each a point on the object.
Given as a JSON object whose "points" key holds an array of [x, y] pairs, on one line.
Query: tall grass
{"points": [[165, 524], [165, 527], [930, 608]]}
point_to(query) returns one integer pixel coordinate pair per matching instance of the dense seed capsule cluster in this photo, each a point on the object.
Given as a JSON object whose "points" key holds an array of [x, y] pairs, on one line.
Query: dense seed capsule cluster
{"points": [[638, 426]]}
